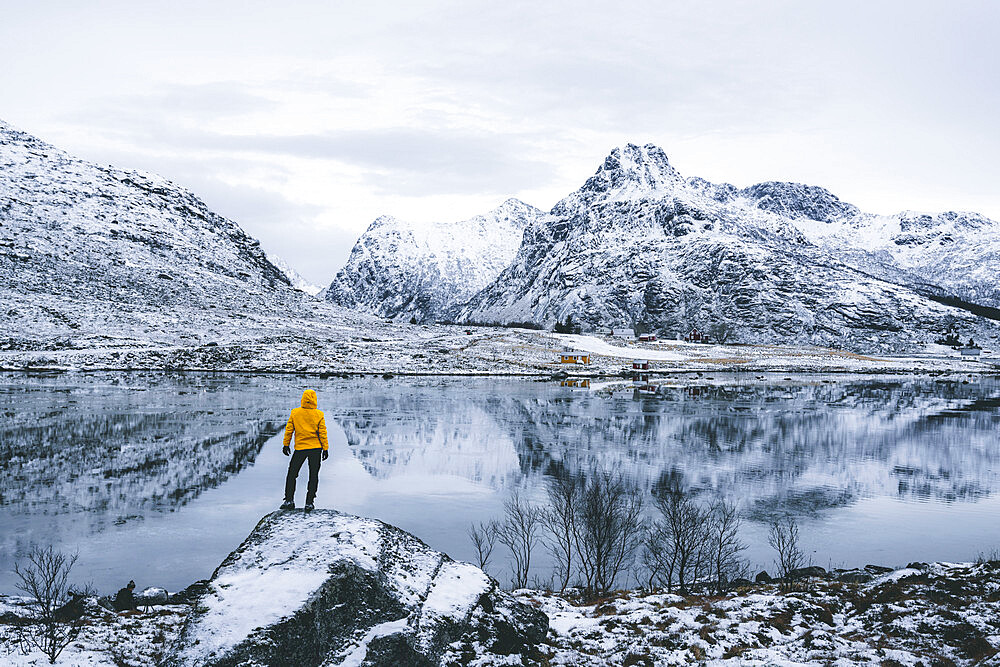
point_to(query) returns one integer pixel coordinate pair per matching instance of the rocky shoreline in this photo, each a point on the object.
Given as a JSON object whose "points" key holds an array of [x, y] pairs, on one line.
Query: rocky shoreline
{"points": [[329, 588], [313, 348], [942, 614]]}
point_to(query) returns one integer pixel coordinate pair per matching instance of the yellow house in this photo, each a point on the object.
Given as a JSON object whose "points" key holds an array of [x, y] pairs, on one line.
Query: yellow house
{"points": [[574, 358]]}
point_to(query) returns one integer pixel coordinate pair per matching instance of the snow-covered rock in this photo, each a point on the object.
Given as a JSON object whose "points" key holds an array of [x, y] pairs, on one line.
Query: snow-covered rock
{"points": [[404, 270], [328, 588]]}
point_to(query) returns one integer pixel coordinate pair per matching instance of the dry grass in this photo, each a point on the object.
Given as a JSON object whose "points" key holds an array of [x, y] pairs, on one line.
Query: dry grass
{"points": [[723, 360]]}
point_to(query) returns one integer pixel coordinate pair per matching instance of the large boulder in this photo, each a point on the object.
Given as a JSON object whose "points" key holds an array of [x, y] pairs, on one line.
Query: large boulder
{"points": [[328, 588]]}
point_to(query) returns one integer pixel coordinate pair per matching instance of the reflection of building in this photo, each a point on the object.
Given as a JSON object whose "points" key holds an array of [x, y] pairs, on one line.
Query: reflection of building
{"points": [[647, 389], [574, 357], [640, 378], [576, 383]]}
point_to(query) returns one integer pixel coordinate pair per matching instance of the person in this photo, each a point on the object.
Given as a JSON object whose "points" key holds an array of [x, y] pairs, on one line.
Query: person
{"points": [[306, 423]]}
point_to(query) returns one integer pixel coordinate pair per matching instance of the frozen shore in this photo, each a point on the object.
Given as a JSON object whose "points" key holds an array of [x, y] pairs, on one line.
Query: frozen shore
{"points": [[340, 343]]}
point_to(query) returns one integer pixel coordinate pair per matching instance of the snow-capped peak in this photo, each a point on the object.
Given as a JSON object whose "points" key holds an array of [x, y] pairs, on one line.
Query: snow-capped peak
{"points": [[634, 167], [424, 271], [294, 277]]}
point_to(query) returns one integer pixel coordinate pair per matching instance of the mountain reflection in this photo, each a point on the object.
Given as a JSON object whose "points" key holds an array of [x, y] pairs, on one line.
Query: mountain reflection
{"points": [[795, 447], [109, 449]]}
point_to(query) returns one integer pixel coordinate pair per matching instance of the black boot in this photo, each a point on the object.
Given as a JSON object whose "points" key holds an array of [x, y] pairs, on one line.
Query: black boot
{"points": [[287, 505]]}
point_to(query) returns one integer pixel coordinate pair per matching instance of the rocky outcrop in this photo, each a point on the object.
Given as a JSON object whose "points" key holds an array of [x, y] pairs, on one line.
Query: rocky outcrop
{"points": [[328, 588]]}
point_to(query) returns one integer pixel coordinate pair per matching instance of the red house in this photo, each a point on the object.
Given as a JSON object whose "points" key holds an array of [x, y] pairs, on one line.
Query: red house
{"points": [[694, 336], [640, 364]]}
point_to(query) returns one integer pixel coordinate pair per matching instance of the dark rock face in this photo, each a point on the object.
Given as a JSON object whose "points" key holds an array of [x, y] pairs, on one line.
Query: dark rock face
{"points": [[329, 588], [795, 200]]}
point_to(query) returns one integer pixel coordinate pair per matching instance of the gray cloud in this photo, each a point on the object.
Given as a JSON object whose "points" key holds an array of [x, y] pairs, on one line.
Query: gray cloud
{"points": [[882, 102], [411, 161]]}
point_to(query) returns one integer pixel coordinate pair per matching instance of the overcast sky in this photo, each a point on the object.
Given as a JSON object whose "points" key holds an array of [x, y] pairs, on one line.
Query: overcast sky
{"points": [[305, 121]]}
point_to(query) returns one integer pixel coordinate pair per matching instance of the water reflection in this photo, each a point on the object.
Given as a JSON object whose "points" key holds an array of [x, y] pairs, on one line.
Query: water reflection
{"points": [[156, 463], [795, 448]]}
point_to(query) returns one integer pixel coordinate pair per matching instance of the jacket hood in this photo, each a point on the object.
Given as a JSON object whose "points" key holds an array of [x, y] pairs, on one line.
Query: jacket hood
{"points": [[309, 399]]}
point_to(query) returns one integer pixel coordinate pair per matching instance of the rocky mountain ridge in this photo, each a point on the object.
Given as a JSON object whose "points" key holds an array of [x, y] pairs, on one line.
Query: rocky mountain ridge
{"points": [[640, 245], [425, 272]]}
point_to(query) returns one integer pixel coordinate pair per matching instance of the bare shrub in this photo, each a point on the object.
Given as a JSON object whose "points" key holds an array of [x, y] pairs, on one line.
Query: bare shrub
{"points": [[783, 537], [724, 546], [560, 520], [991, 557], [655, 558], [44, 578], [681, 537], [608, 530], [519, 532], [484, 539]]}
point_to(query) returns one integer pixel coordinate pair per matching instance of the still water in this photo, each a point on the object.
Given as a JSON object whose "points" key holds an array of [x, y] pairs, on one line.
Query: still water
{"points": [[157, 476]]}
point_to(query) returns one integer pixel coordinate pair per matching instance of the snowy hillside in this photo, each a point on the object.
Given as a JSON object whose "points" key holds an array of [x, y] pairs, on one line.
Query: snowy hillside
{"points": [[953, 253], [85, 248], [403, 270], [640, 245]]}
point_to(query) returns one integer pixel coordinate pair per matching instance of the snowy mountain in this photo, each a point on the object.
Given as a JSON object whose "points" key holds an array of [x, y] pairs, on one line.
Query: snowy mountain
{"points": [[294, 277], [640, 245], [403, 270], [952, 253], [92, 251]]}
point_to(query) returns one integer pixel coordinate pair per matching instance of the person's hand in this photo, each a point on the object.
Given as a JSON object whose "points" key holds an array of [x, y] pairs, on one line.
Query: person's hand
{"points": [[326, 454], [286, 451]]}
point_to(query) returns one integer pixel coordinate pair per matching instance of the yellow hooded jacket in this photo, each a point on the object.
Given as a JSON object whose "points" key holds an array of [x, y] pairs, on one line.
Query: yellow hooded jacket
{"points": [[307, 424]]}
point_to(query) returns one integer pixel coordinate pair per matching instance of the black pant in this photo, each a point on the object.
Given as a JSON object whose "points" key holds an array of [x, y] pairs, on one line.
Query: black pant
{"points": [[298, 457]]}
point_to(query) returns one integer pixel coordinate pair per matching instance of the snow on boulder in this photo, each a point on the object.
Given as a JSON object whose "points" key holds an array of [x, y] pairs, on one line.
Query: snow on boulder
{"points": [[328, 588]]}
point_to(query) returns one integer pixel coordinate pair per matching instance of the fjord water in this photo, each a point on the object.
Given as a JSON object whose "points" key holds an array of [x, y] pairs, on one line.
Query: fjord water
{"points": [[158, 476]]}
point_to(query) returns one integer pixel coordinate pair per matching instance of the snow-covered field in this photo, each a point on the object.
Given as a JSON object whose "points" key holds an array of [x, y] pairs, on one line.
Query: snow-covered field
{"points": [[937, 614], [942, 614]]}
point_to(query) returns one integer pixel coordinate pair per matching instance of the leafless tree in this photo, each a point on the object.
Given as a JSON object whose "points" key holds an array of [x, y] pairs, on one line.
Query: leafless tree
{"points": [[44, 578], [484, 539], [608, 530], [519, 532], [657, 561], [784, 539], [724, 545], [560, 520], [684, 527]]}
